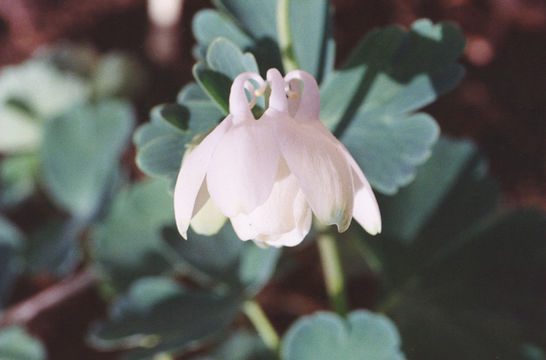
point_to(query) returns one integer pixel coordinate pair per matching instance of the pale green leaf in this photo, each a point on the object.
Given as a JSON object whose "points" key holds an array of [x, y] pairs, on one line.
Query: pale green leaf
{"points": [[327, 336], [227, 58], [224, 61], [81, 151], [18, 178], [210, 24], [163, 142], [224, 258], [158, 316], [127, 244], [312, 36], [257, 17], [17, 344], [54, 247], [370, 101]]}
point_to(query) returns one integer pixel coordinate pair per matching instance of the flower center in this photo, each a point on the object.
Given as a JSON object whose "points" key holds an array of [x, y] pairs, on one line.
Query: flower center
{"points": [[253, 94]]}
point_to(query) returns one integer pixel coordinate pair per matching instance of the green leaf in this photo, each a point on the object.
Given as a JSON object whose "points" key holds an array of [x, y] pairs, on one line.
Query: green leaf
{"points": [[257, 266], [370, 102], [148, 132], [158, 316], [226, 57], [388, 148], [224, 61], [54, 248], [216, 84], [177, 116], [312, 37], [16, 344], [484, 298], [224, 258], [192, 92], [127, 244], [258, 17], [241, 346], [18, 178], [11, 246], [80, 154], [461, 281], [363, 335], [211, 24], [450, 196], [163, 142], [455, 172], [162, 156]]}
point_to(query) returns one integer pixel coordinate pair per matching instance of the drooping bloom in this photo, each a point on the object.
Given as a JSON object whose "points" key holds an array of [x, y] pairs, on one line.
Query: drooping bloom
{"points": [[268, 176]]}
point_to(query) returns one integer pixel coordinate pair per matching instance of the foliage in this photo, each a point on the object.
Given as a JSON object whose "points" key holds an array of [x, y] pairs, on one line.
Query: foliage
{"points": [[327, 336], [16, 344], [462, 279]]}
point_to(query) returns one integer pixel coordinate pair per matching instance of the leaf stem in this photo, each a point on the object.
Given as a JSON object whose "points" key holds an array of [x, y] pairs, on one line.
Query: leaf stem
{"points": [[285, 36], [263, 326], [333, 273]]}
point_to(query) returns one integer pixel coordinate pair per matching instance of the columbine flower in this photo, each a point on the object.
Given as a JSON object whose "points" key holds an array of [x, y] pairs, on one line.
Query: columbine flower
{"points": [[269, 175]]}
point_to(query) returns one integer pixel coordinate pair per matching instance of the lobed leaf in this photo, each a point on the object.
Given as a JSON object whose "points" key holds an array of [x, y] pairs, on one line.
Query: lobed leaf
{"points": [[223, 258], [54, 247], [462, 281], [363, 335], [127, 243], [158, 316], [162, 142], [224, 61], [483, 299], [370, 101], [258, 17], [81, 150]]}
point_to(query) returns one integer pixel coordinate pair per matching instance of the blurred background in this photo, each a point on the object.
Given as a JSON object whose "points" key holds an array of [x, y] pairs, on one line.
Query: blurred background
{"points": [[501, 103]]}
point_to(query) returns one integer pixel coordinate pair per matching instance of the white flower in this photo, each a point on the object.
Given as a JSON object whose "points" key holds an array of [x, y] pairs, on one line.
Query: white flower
{"points": [[269, 175]]}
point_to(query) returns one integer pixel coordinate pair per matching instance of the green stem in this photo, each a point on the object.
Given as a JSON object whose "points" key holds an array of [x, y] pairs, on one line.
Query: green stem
{"points": [[263, 326], [285, 36], [333, 273]]}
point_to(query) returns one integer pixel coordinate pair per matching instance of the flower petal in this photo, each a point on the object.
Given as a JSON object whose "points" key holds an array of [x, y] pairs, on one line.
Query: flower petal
{"points": [[303, 216], [208, 220], [365, 210], [191, 176], [239, 106], [320, 168], [277, 99], [243, 168], [281, 213], [309, 104]]}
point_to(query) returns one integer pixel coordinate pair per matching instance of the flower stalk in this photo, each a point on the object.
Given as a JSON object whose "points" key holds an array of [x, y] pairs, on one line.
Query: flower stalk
{"points": [[263, 326], [333, 273], [285, 36]]}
